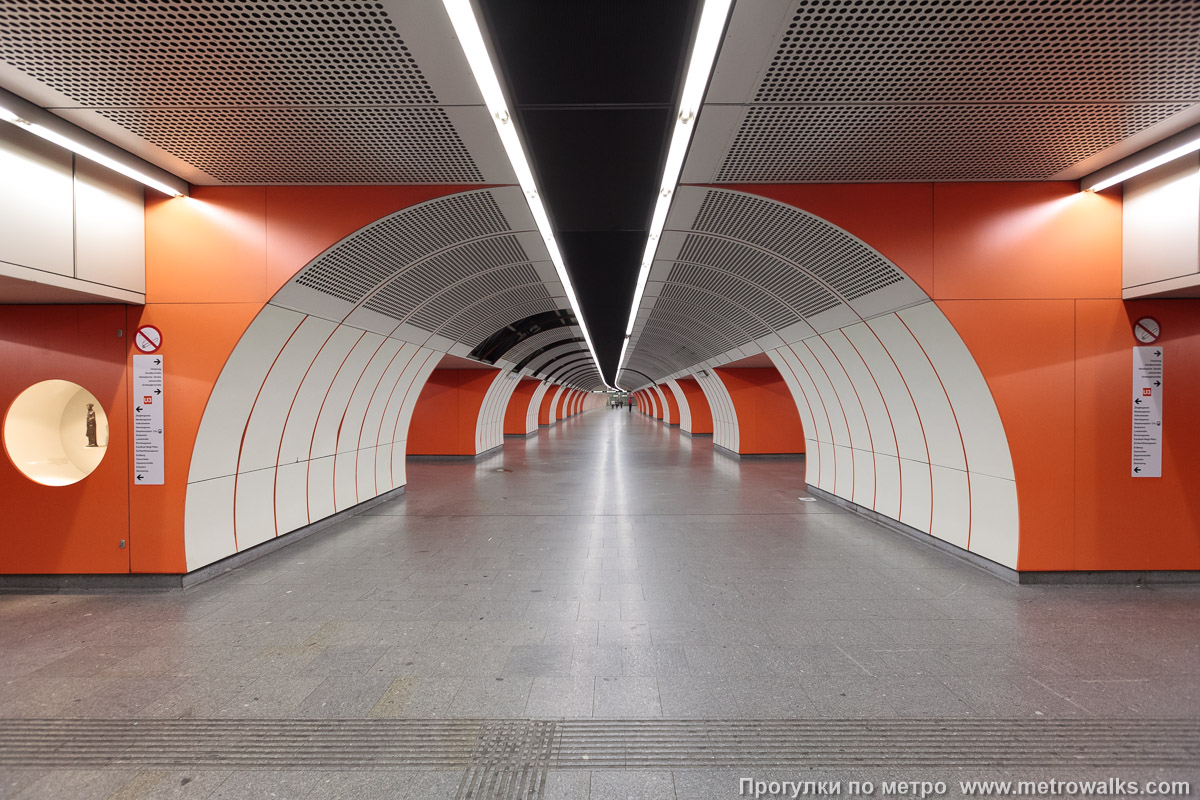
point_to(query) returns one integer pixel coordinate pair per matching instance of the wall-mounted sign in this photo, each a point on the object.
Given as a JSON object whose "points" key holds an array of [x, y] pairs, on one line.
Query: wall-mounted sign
{"points": [[147, 401], [1147, 405], [148, 339], [1147, 330]]}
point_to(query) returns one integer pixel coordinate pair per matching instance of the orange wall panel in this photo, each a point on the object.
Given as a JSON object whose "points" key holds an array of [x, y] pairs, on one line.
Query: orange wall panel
{"points": [[768, 421], [1025, 241], [76, 528], [197, 340], [518, 407], [1124, 522], [697, 405], [447, 411], [1031, 373], [210, 247]]}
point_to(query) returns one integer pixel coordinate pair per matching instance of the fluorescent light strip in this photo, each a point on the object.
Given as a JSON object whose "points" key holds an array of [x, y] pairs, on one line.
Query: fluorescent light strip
{"points": [[64, 134], [704, 55], [466, 27], [1189, 145]]}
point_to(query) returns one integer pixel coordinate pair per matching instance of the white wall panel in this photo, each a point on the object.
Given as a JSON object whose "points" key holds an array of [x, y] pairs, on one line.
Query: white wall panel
{"points": [[110, 228], [994, 519], [364, 472], [320, 488], [864, 478], [489, 427], [220, 435], [354, 420], [261, 445], [661, 399], [685, 411], [291, 497], [834, 412], [254, 507], [937, 418], [725, 423], [345, 481], [208, 522], [951, 506], [399, 412], [843, 467], [535, 404], [302, 419], [901, 410], [338, 395], [36, 192], [887, 485], [916, 505], [879, 424], [373, 434], [974, 408], [835, 373]]}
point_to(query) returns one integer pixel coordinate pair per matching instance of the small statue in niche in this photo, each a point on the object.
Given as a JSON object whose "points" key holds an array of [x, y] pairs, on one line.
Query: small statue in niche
{"points": [[91, 426]]}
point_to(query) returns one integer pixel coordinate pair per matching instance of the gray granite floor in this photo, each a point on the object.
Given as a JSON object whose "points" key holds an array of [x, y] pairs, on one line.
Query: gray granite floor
{"points": [[608, 568]]}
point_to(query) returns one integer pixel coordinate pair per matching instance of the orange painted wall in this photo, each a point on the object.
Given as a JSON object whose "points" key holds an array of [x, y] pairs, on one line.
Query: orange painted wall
{"points": [[447, 412], [672, 411], [76, 528], [1029, 274], [212, 262], [768, 421], [701, 414], [518, 407], [545, 412], [659, 412]]}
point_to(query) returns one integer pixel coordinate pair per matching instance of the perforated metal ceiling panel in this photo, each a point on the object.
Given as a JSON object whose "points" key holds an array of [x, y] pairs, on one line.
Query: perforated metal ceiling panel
{"points": [[446, 274], [747, 270], [267, 92], [539, 341], [894, 90]]}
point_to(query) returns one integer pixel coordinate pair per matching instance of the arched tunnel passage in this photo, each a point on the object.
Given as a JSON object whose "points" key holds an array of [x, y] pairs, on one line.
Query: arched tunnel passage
{"points": [[371, 365]]}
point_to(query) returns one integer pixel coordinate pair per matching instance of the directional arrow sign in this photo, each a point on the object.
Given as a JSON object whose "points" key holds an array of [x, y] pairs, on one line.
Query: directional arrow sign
{"points": [[1147, 412], [148, 458]]}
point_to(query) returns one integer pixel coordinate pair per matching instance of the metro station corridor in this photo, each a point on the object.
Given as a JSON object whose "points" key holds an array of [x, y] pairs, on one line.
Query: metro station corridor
{"points": [[312, 316], [610, 568]]}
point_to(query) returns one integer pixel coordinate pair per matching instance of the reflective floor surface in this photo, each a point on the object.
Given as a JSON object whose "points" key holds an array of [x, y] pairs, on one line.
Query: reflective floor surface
{"points": [[609, 568]]}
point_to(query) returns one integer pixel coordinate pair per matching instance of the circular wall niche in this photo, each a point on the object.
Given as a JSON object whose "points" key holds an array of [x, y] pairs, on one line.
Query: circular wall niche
{"points": [[56, 433]]}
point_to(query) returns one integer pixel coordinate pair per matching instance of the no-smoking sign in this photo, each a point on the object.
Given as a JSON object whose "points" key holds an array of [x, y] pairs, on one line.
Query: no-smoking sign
{"points": [[148, 339], [1147, 330]]}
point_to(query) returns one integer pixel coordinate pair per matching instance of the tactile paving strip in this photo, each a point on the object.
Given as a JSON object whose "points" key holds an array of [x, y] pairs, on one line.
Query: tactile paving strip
{"points": [[509, 758]]}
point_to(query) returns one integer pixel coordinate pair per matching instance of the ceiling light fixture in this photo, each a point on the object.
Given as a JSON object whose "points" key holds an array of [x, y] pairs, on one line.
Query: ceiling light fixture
{"points": [[41, 122], [466, 27], [1169, 149], [704, 55]]}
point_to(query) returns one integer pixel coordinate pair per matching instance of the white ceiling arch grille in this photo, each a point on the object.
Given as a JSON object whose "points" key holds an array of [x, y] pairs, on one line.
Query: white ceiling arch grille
{"points": [[447, 273], [355, 266], [526, 347], [438, 278], [749, 270], [479, 320]]}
